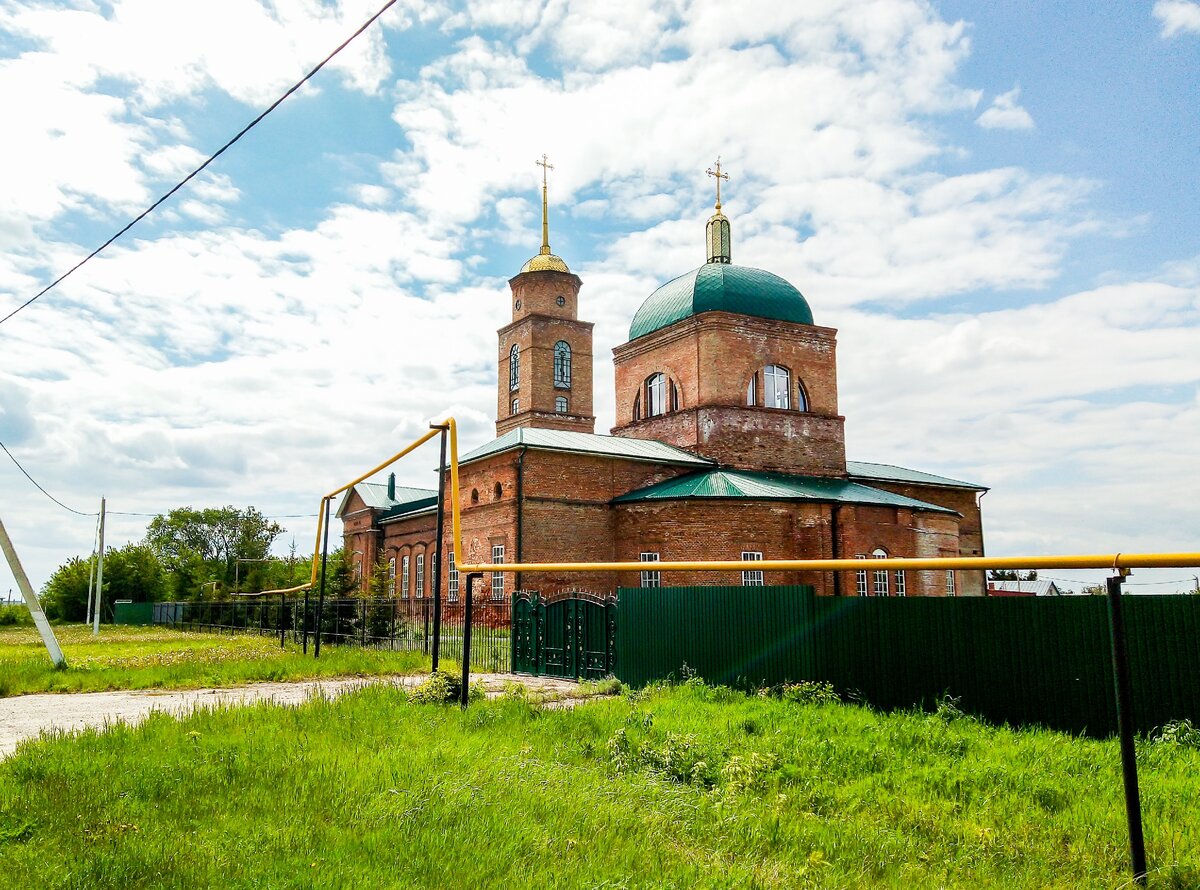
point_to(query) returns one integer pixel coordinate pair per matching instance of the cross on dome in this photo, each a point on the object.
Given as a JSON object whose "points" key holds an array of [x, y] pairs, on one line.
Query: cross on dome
{"points": [[718, 175]]}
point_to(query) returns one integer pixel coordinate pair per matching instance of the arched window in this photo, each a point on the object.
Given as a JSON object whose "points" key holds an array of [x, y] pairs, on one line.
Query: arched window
{"points": [[637, 406], [516, 406], [497, 492], [674, 396], [562, 364], [514, 367], [656, 393], [474, 495], [777, 387], [881, 575], [801, 397], [560, 405], [752, 390]]}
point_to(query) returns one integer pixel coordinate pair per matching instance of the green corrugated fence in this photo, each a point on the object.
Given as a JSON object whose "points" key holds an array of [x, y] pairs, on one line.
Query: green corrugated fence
{"points": [[1018, 660], [133, 613]]}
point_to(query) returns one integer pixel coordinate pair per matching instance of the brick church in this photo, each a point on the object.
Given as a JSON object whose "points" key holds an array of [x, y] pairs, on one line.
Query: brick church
{"points": [[728, 445]]}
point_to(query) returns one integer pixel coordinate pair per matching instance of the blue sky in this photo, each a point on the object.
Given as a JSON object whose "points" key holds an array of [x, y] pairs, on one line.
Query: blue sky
{"points": [[997, 205]]}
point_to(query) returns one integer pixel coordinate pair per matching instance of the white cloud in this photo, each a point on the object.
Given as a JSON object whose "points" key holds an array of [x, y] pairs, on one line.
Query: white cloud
{"points": [[1178, 17], [1005, 114]]}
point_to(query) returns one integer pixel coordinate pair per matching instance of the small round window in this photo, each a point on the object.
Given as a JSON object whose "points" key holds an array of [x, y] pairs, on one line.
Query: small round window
{"points": [[517, 305], [561, 301]]}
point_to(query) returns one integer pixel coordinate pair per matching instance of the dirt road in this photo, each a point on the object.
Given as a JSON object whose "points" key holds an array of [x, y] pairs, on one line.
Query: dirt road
{"points": [[27, 716]]}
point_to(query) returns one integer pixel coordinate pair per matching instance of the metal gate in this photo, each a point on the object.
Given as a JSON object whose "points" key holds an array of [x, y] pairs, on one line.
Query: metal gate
{"points": [[571, 636]]}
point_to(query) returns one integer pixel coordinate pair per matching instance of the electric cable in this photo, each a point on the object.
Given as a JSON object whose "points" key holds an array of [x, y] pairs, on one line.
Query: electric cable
{"points": [[246, 129], [39, 487]]}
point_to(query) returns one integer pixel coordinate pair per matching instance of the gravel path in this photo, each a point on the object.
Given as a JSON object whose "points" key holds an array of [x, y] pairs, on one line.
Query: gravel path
{"points": [[27, 716]]}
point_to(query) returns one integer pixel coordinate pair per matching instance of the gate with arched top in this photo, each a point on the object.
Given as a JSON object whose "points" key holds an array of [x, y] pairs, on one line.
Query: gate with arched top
{"points": [[572, 635]]}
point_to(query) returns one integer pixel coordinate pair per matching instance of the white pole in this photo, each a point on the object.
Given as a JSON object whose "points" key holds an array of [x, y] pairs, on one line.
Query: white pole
{"points": [[31, 600], [92, 571], [99, 576]]}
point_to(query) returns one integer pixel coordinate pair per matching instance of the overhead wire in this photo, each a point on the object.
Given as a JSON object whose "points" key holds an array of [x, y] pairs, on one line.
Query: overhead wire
{"points": [[246, 129], [37, 485]]}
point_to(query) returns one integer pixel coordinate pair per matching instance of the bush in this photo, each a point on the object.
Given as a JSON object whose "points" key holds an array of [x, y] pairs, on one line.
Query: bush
{"points": [[443, 688], [1183, 733], [809, 692], [15, 616]]}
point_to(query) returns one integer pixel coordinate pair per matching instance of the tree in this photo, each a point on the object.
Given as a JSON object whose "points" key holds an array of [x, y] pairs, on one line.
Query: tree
{"points": [[132, 572], [1011, 575], [200, 546]]}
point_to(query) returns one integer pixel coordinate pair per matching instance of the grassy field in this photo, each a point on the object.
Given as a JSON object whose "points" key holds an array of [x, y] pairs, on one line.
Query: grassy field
{"points": [[153, 657], [683, 787]]}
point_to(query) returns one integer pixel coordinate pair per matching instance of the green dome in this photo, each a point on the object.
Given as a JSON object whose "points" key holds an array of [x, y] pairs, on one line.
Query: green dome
{"points": [[720, 287]]}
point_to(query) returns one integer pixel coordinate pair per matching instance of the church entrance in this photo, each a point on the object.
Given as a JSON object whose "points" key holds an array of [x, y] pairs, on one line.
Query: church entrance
{"points": [[570, 636]]}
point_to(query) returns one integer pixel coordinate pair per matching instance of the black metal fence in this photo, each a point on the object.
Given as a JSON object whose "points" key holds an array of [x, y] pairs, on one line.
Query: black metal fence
{"points": [[394, 624]]}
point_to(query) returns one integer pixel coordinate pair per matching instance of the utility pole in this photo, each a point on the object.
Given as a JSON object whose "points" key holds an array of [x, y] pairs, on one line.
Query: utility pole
{"points": [[99, 576], [31, 600]]}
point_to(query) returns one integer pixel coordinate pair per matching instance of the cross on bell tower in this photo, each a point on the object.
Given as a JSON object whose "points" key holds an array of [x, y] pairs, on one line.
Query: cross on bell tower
{"points": [[717, 235]]}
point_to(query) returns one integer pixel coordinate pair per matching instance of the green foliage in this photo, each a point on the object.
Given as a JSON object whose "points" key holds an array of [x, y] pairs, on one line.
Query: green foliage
{"points": [[15, 616], [198, 546], [443, 688], [806, 692], [1180, 732], [1011, 575], [372, 791], [132, 572]]}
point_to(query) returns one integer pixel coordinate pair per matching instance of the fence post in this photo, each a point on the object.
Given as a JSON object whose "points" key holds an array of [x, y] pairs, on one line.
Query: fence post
{"points": [[282, 618], [466, 646], [304, 624], [1124, 690], [363, 634], [321, 595]]}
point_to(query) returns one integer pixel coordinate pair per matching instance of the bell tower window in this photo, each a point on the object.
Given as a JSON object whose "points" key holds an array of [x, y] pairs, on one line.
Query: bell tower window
{"points": [[562, 364], [656, 392], [777, 387], [560, 405], [514, 367]]}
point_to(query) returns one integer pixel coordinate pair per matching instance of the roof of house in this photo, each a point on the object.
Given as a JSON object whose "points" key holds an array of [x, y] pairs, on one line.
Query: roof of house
{"points": [[887, 473], [375, 496], [748, 485], [586, 443], [1034, 588]]}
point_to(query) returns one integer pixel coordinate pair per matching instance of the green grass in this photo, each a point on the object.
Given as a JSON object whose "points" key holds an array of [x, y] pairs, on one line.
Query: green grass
{"points": [[159, 658], [683, 787]]}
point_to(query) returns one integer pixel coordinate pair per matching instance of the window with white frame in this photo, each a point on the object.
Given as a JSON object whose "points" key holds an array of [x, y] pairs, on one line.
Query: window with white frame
{"points": [[656, 394], [562, 364], [420, 575], [650, 579], [516, 406], [777, 387], [392, 576], [453, 576], [881, 575], [497, 577], [752, 390], [860, 577], [514, 367], [404, 577], [560, 405], [752, 577], [950, 590], [900, 590]]}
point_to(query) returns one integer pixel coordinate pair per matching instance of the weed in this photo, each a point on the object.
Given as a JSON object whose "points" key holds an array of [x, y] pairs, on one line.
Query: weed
{"points": [[1180, 732]]}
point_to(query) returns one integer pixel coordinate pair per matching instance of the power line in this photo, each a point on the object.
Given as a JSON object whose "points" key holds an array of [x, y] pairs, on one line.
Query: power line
{"points": [[246, 129], [39, 487]]}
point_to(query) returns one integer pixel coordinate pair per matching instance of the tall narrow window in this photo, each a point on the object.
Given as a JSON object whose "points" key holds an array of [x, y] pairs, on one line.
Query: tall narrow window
{"points": [[801, 397], [950, 589], [656, 392], [650, 579], [420, 575], [881, 575], [404, 578], [497, 577], [674, 396], [562, 364], [516, 406], [860, 577], [637, 407], [453, 582], [560, 405], [752, 390], [777, 387], [754, 577], [392, 576], [514, 367], [900, 590]]}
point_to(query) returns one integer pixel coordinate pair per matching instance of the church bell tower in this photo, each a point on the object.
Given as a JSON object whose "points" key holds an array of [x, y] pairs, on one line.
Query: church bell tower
{"points": [[545, 354]]}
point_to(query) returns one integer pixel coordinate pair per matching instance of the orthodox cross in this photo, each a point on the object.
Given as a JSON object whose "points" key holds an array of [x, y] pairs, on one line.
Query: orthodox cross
{"points": [[546, 166], [718, 175]]}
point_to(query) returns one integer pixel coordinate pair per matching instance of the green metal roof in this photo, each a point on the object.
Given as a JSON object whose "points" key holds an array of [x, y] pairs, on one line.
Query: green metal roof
{"points": [[747, 485], [587, 443], [887, 473], [374, 495], [720, 287]]}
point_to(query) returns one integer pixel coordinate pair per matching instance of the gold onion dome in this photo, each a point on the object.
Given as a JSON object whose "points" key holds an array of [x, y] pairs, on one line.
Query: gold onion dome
{"points": [[545, 262]]}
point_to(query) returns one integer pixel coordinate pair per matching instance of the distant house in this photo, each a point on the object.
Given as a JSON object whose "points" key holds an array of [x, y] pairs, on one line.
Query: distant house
{"points": [[1023, 588]]}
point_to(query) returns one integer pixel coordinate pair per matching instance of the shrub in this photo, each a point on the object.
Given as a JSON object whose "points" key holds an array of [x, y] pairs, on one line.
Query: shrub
{"points": [[443, 688], [14, 616], [809, 692], [1183, 733]]}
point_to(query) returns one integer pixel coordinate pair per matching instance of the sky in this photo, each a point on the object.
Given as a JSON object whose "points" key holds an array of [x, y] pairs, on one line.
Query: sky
{"points": [[997, 205]]}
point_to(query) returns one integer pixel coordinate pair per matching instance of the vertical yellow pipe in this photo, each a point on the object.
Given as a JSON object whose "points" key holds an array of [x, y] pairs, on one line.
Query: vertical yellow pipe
{"points": [[317, 546], [455, 512]]}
